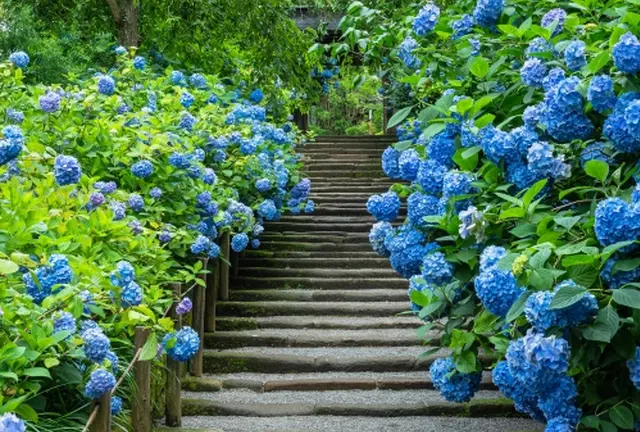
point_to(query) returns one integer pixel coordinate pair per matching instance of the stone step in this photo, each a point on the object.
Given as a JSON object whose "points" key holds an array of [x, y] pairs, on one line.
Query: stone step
{"points": [[273, 308], [285, 246], [317, 178], [355, 424], [322, 210], [317, 322], [299, 360], [358, 203], [345, 175], [379, 137], [310, 219], [357, 158], [356, 182], [316, 338], [343, 166], [329, 236], [356, 189], [326, 272], [310, 254], [363, 226], [307, 295], [351, 146], [352, 263], [374, 403], [266, 382], [318, 283]]}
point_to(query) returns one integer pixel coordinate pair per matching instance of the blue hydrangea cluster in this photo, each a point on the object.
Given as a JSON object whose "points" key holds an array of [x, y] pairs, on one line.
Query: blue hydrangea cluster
{"points": [[553, 78], [497, 289], [187, 99], [136, 202], [106, 188], [442, 148], [539, 45], [106, 85], [601, 94], [187, 121], [377, 236], [408, 164], [19, 59], [431, 176], [407, 247], [462, 26], [139, 62], [632, 118], [417, 283], [181, 345], [256, 96], [310, 207], [453, 385], [124, 278], [66, 170], [616, 128], [457, 183], [426, 20], [95, 344], [116, 405], [538, 312], [49, 278], [198, 81], [563, 114], [100, 382], [619, 278], [177, 77], [301, 190], [209, 176], [543, 164], [634, 369], [596, 151], [10, 422], [50, 102], [384, 207], [15, 116], [64, 321], [421, 205], [390, 159], [436, 270], [533, 72], [246, 113], [263, 185], [575, 55], [203, 245], [11, 145], [405, 52], [487, 12], [555, 17], [626, 54], [615, 222], [267, 209], [142, 169], [184, 306], [119, 210], [239, 242]]}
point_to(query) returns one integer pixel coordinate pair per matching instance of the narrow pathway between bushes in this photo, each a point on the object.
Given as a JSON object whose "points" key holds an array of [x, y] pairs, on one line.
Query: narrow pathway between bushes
{"points": [[310, 340]]}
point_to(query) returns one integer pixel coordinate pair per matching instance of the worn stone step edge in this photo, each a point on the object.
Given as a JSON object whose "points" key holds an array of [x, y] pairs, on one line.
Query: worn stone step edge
{"points": [[318, 283], [315, 322], [381, 273], [475, 408], [300, 308], [311, 254], [320, 295], [354, 263]]}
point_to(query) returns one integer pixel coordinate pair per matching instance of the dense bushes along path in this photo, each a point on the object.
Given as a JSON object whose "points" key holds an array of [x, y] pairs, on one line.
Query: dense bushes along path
{"points": [[310, 337]]}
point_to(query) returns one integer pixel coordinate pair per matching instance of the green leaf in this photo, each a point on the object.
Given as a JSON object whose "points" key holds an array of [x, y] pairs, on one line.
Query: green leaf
{"points": [[434, 129], [479, 67], [622, 417], [37, 372], [533, 192], [8, 267], [542, 279], [574, 260], [514, 212], [605, 326], [625, 265], [465, 362], [597, 169], [627, 297], [566, 296], [538, 260], [518, 307], [583, 274], [399, 116], [592, 421], [567, 222], [606, 426], [150, 348], [402, 145], [599, 62]]}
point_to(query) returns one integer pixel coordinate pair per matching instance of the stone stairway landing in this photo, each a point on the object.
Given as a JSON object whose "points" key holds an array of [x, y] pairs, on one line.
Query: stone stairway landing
{"points": [[315, 335]]}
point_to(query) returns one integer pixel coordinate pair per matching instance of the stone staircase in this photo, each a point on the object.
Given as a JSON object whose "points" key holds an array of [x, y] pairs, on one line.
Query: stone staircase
{"points": [[311, 339]]}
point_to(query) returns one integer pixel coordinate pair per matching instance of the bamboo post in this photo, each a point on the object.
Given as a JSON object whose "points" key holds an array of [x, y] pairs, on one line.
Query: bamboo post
{"points": [[173, 411], [102, 420], [213, 283], [141, 409], [199, 306], [224, 266]]}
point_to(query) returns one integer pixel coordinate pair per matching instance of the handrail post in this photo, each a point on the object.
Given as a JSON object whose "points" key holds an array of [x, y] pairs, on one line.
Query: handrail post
{"points": [[213, 283], [225, 247], [173, 411], [102, 420], [199, 306], [141, 409], [235, 259]]}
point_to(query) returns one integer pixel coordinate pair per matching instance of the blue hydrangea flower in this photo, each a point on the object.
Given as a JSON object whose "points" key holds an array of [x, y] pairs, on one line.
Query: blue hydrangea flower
{"points": [[487, 12], [497, 290], [19, 59], [177, 78], [405, 52], [56, 272], [426, 20], [184, 306], [626, 54], [575, 55], [9, 422], [106, 187], [407, 249], [113, 359], [620, 278], [187, 121], [267, 209], [457, 183], [116, 405], [523, 138], [239, 242], [408, 164], [539, 45], [15, 116], [120, 50], [559, 402], [131, 295], [100, 382], [384, 207], [533, 72], [420, 206], [390, 158], [155, 193], [601, 94], [64, 321], [263, 185], [377, 235], [542, 162], [66, 170], [198, 81], [462, 26], [613, 222], [96, 345], [616, 128], [12, 144], [563, 115], [182, 345], [634, 369], [123, 275], [187, 99], [554, 16], [256, 96], [436, 270], [309, 207], [139, 62], [201, 245], [441, 149], [430, 176], [255, 243], [50, 102], [531, 116], [491, 256], [454, 386], [559, 424], [497, 145], [524, 398], [119, 210], [632, 118], [142, 169], [596, 151], [106, 85], [301, 190], [136, 202], [553, 78]]}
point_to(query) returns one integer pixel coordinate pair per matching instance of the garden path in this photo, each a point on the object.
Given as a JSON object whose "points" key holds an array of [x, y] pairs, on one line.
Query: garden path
{"points": [[310, 339]]}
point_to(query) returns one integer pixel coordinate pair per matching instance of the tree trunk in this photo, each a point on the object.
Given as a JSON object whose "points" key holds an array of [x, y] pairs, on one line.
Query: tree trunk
{"points": [[125, 15]]}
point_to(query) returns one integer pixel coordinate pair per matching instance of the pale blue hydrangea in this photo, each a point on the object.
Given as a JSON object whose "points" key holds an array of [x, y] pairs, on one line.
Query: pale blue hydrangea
{"points": [[66, 170], [377, 235], [64, 321], [239, 242], [462, 26], [539, 45], [601, 94], [575, 55], [390, 158], [177, 78], [142, 169], [15, 116], [426, 20], [100, 382], [554, 17], [95, 344], [19, 59], [408, 164], [182, 345], [498, 290], [384, 207], [50, 102], [131, 295], [136, 202], [198, 81], [626, 54], [533, 72], [139, 62], [632, 118], [187, 99], [9, 422], [116, 405], [267, 209], [106, 85], [553, 78], [405, 52], [453, 385], [430, 176], [421, 205], [441, 149], [543, 163], [487, 12], [436, 270]]}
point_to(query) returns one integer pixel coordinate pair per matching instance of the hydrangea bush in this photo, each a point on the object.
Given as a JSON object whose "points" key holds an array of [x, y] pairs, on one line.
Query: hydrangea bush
{"points": [[518, 154], [111, 187]]}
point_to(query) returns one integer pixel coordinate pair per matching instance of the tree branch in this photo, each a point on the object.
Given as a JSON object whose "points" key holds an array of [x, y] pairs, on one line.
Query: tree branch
{"points": [[115, 10]]}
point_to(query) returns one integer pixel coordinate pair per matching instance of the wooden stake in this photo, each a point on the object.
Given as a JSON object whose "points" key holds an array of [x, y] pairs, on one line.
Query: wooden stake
{"points": [[173, 411], [141, 409]]}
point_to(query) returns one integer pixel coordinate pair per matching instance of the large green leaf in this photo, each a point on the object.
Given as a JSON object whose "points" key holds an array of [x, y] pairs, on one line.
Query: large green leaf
{"points": [[399, 116]]}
